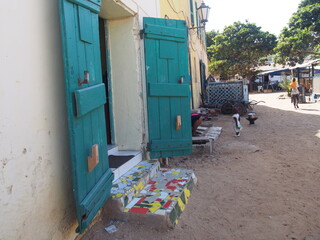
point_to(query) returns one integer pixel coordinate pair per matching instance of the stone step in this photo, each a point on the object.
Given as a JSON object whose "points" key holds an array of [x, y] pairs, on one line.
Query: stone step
{"points": [[157, 200], [135, 158], [129, 185]]}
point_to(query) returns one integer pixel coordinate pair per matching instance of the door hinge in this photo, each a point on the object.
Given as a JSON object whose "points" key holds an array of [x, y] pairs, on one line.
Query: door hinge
{"points": [[141, 34], [148, 146]]}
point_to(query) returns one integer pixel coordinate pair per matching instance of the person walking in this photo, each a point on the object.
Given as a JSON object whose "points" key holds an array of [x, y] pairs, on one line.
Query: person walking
{"points": [[294, 93]]}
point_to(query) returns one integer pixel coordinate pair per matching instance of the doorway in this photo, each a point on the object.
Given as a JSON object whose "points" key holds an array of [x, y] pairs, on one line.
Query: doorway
{"points": [[120, 161], [106, 76]]}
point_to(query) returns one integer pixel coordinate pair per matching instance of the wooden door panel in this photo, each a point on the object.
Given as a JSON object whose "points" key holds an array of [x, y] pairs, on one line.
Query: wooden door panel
{"points": [[86, 96], [166, 55]]}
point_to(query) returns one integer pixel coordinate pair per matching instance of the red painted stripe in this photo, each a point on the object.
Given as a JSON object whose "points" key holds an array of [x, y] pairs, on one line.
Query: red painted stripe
{"points": [[171, 187], [139, 210], [167, 204], [142, 199]]}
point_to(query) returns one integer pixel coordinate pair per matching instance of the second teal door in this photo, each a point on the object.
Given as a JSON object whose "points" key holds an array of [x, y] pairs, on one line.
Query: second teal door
{"points": [[168, 90]]}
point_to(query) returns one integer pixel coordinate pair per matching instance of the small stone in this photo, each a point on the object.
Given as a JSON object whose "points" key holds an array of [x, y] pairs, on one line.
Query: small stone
{"points": [[111, 229], [308, 238]]}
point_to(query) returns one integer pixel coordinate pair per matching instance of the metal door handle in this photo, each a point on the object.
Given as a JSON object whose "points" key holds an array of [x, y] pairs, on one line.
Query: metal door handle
{"points": [[178, 123], [181, 80]]}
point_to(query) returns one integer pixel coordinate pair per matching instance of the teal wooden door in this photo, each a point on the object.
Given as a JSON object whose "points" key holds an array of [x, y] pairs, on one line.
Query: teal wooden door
{"points": [[168, 90], [85, 96]]}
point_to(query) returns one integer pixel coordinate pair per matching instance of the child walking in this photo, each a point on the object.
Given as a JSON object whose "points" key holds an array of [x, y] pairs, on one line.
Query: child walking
{"points": [[236, 122]]}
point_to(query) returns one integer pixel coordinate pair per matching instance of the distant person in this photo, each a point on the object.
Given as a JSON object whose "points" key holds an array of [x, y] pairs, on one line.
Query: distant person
{"points": [[236, 122], [294, 93]]}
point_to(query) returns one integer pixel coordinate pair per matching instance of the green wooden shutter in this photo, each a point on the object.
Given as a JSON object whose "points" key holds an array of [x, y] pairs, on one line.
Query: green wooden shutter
{"points": [[168, 92], [192, 12], [85, 104]]}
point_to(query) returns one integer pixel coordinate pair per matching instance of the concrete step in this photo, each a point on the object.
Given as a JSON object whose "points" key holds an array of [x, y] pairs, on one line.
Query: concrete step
{"points": [[136, 157], [155, 199]]}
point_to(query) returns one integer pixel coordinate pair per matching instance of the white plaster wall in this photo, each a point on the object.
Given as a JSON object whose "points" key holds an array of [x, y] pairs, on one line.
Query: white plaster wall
{"points": [[145, 8], [36, 199], [126, 83], [316, 84]]}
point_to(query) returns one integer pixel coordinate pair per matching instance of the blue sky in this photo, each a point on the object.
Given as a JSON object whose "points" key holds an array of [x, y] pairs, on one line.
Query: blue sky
{"points": [[271, 15]]}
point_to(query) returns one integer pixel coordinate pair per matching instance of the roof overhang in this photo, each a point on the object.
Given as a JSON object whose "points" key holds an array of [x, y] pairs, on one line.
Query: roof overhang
{"points": [[115, 9], [306, 64], [274, 72]]}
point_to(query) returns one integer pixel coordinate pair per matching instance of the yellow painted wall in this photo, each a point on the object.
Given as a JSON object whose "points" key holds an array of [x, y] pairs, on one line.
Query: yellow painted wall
{"points": [[175, 9], [180, 9]]}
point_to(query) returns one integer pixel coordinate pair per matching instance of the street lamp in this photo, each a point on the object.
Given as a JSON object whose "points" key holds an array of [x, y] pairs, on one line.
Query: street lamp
{"points": [[203, 13]]}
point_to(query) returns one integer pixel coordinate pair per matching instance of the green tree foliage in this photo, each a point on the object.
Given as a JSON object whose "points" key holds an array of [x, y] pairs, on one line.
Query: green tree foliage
{"points": [[301, 37], [285, 83], [209, 39], [240, 49]]}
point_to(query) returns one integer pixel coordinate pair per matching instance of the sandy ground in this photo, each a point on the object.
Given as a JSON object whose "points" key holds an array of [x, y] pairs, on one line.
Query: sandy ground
{"points": [[263, 185]]}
